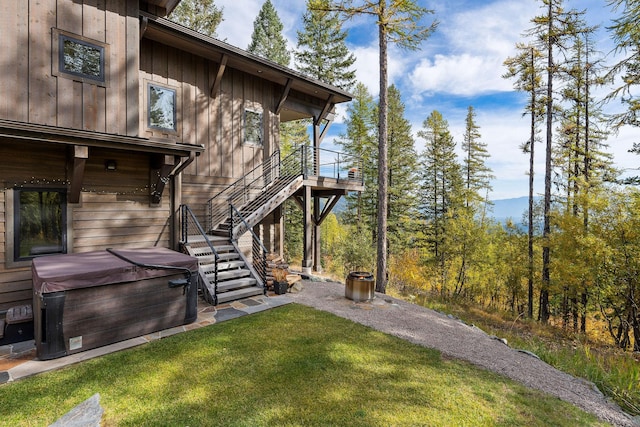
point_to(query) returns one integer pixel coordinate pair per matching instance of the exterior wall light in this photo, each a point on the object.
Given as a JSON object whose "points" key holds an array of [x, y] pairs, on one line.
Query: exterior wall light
{"points": [[110, 165]]}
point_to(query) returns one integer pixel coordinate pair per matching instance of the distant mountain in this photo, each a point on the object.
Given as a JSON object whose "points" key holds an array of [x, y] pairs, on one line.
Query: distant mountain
{"points": [[504, 209]]}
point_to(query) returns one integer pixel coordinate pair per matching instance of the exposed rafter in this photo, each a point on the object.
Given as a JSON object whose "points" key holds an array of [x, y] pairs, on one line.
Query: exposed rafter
{"points": [[285, 94], [328, 106], [219, 74], [144, 23]]}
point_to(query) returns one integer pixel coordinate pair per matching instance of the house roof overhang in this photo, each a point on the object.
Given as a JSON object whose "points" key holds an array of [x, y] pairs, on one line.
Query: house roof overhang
{"points": [[52, 134], [167, 5], [295, 84]]}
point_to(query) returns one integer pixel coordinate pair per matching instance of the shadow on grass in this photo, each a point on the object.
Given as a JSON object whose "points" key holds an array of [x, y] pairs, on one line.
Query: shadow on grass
{"points": [[288, 366]]}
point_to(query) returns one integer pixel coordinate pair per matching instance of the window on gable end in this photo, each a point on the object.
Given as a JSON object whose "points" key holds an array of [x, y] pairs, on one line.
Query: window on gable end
{"points": [[253, 127]]}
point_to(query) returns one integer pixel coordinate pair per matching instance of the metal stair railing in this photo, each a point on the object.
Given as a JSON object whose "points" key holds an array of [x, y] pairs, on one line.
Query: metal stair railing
{"points": [[258, 264], [266, 180], [190, 226], [242, 191]]}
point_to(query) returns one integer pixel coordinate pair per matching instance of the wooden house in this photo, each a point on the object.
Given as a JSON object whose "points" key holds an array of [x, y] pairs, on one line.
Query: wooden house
{"points": [[120, 128]]}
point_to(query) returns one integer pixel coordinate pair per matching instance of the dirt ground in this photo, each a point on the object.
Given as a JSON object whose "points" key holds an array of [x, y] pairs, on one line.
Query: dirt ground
{"points": [[456, 339]]}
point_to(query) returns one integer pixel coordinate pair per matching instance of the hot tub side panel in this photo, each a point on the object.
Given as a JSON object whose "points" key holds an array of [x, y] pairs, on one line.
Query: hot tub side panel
{"points": [[81, 319]]}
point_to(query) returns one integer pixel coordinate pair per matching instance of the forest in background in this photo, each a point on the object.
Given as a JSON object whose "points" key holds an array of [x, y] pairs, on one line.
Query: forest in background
{"points": [[576, 262]]}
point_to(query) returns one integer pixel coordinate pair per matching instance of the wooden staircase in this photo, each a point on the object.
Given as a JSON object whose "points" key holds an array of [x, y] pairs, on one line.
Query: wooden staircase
{"points": [[235, 278]]}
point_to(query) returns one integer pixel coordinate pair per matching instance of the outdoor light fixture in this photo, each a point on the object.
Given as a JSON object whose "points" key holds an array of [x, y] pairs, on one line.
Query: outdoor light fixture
{"points": [[110, 165]]}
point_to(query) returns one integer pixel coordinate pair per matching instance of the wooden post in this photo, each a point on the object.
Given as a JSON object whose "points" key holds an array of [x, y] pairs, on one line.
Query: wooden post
{"points": [[317, 241], [307, 260]]}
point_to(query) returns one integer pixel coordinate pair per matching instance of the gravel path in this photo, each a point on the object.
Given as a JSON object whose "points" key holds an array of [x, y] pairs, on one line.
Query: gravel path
{"points": [[456, 339]]}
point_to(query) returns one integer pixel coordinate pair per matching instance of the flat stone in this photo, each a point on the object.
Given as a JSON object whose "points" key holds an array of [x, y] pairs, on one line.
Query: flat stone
{"points": [[228, 314], [86, 414]]}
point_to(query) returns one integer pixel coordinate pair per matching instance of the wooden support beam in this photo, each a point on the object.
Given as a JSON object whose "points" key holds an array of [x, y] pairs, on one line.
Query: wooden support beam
{"points": [[317, 238], [219, 74], [144, 23], [327, 209], [161, 167], [80, 156], [307, 257], [328, 106], [284, 95]]}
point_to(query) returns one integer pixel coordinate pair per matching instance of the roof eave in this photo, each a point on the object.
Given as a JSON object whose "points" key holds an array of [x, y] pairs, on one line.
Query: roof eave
{"points": [[170, 33]]}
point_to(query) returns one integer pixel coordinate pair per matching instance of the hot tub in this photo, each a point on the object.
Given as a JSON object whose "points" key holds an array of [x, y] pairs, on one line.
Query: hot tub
{"points": [[92, 299]]}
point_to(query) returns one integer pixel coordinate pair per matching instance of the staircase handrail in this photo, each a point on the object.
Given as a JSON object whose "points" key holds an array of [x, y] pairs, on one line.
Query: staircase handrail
{"points": [[186, 213], [304, 160], [238, 192], [259, 251]]}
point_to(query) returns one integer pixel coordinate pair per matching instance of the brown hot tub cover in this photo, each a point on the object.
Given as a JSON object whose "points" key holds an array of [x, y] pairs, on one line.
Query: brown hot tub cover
{"points": [[83, 270]]}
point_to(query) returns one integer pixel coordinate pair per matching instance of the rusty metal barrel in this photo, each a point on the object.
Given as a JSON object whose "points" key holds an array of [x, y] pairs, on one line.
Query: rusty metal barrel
{"points": [[360, 286]]}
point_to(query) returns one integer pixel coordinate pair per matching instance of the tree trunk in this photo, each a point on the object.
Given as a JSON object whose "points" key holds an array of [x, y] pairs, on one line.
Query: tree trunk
{"points": [[381, 265], [531, 177], [546, 250]]}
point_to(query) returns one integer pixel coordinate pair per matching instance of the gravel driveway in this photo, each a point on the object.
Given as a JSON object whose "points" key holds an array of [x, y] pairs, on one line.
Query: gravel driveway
{"points": [[456, 339]]}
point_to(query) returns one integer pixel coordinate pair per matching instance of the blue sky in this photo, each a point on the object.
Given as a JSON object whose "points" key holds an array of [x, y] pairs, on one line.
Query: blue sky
{"points": [[460, 65]]}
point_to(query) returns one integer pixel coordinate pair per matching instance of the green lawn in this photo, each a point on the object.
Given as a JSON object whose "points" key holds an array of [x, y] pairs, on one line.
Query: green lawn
{"points": [[284, 367]]}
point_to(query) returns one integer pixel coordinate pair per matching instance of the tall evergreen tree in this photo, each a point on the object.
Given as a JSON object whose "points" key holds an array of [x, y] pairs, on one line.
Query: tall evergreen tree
{"points": [[477, 175], [267, 40], [322, 50], [202, 16], [586, 163], [402, 174], [551, 30], [398, 22], [441, 190], [527, 68], [360, 141]]}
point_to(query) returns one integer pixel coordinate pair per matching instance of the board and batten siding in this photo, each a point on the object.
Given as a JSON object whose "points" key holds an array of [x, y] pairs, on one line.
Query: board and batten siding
{"points": [[31, 90], [216, 122]]}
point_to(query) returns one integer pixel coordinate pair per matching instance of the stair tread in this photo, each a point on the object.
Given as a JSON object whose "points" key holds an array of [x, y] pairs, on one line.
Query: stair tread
{"points": [[239, 294], [199, 238], [224, 265], [230, 285], [232, 274]]}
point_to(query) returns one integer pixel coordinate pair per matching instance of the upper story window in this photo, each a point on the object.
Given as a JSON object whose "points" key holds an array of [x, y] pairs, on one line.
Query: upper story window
{"points": [[80, 58], [253, 129], [39, 223], [162, 111]]}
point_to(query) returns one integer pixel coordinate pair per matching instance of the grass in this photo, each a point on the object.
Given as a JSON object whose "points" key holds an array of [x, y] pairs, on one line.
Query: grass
{"points": [[289, 366], [615, 372]]}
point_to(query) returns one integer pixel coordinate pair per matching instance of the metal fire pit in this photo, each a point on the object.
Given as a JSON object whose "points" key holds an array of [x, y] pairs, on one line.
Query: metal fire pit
{"points": [[360, 286]]}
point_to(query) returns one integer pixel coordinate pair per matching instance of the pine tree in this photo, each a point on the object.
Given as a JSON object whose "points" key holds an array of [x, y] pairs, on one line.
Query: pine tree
{"points": [[527, 68], [441, 192], [477, 175], [267, 40], [359, 141], [477, 184], [551, 30], [202, 16], [586, 164], [322, 49], [402, 202], [398, 23]]}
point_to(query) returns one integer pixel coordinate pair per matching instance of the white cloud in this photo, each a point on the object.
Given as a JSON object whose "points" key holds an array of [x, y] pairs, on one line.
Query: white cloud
{"points": [[463, 75]]}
